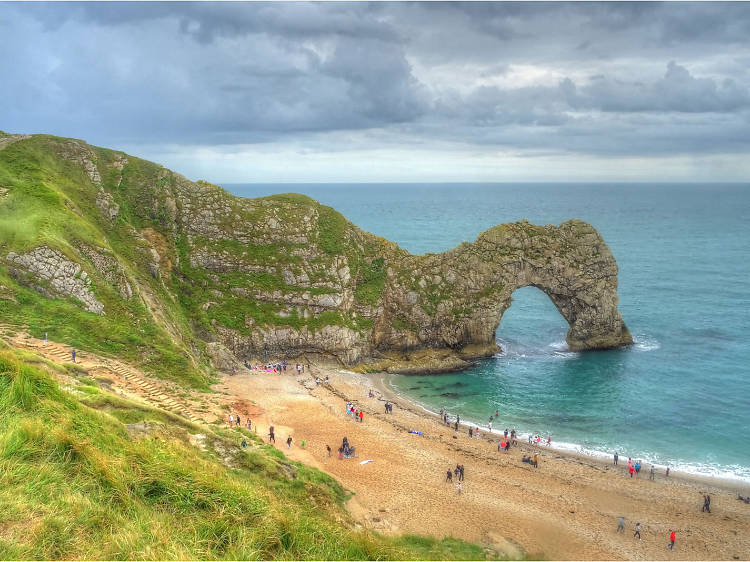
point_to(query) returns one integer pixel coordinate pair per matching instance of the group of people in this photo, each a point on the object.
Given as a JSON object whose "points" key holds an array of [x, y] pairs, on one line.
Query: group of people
{"points": [[351, 410], [346, 450], [279, 367], [634, 468], [637, 532], [234, 420], [318, 380], [388, 407], [459, 474], [533, 461]]}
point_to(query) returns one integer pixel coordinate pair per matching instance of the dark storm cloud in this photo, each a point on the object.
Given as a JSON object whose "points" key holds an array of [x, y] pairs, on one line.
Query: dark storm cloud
{"points": [[593, 78]]}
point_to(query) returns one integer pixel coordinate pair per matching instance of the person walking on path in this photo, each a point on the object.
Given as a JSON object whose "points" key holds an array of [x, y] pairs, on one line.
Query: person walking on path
{"points": [[706, 503], [249, 424], [449, 476], [271, 436], [73, 354], [671, 540], [237, 420], [461, 472], [289, 442], [621, 524], [231, 420], [616, 457], [637, 531]]}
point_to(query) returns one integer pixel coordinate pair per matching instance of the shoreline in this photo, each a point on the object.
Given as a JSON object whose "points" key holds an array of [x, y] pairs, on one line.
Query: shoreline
{"points": [[725, 483], [565, 509]]}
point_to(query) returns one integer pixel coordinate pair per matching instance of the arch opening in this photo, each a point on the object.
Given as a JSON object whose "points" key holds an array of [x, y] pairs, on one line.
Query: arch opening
{"points": [[532, 323]]}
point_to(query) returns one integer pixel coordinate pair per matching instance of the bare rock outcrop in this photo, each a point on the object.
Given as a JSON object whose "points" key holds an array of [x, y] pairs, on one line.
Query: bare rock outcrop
{"points": [[58, 273]]}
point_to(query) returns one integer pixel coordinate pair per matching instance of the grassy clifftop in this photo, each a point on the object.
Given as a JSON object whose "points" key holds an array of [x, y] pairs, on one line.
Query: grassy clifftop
{"points": [[76, 482]]}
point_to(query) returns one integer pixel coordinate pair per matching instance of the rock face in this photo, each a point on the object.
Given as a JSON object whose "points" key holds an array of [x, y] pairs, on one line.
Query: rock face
{"points": [[282, 277], [62, 275]]}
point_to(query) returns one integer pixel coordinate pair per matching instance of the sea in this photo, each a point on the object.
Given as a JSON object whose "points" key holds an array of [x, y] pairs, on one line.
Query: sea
{"points": [[679, 397]]}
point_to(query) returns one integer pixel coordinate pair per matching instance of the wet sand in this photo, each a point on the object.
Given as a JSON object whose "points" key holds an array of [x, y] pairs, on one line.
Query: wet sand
{"points": [[567, 508]]}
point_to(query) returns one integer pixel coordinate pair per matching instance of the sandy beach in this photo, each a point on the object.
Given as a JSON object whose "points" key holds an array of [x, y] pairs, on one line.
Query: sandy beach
{"points": [[567, 508]]}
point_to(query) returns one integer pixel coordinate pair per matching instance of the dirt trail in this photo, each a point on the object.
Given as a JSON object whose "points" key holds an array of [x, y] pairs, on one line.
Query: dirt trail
{"points": [[124, 378]]}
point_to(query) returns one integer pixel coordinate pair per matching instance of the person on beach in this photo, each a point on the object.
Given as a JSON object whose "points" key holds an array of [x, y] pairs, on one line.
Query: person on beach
{"points": [[461, 472], [616, 457], [489, 426], [505, 433], [458, 487], [456, 426], [326, 381], [457, 471], [449, 476], [652, 473], [361, 415], [706, 504], [536, 460], [549, 441], [513, 436], [637, 468], [471, 433], [667, 473], [530, 438], [271, 436], [671, 539], [328, 450], [631, 470], [289, 442], [476, 433], [621, 524], [637, 531]]}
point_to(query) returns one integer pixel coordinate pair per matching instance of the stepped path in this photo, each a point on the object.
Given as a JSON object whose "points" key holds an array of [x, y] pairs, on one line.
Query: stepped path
{"points": [[125, 378]]}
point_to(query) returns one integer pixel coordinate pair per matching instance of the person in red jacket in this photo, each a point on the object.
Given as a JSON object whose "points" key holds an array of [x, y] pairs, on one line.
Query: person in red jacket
{"points": [[671, 539], [361, 415], [631, 469]]}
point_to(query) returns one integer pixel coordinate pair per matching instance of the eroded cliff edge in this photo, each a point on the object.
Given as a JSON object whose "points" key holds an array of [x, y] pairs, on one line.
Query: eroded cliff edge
{"points": [[283, 276]]}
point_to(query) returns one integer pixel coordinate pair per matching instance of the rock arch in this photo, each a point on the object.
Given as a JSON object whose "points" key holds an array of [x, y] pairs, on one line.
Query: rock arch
{"points": [[455, 300]]}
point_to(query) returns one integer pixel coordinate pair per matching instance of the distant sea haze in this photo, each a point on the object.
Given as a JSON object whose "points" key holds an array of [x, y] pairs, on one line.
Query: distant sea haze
{"points": [[679, 397]]}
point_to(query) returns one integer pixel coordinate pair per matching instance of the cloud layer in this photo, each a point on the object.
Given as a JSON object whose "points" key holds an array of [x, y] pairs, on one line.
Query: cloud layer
{"points": [[492, 87]]}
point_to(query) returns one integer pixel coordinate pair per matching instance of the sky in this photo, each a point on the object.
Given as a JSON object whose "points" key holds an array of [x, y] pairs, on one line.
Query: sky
{"points": [[390, 91]]}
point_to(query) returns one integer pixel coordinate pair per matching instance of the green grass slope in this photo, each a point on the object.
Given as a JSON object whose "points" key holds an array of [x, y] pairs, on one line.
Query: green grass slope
{"points": [[50, 201], [77, 483]]}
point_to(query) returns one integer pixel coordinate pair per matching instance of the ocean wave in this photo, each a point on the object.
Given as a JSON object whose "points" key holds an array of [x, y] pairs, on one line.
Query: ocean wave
{"points": [[645, 343]]}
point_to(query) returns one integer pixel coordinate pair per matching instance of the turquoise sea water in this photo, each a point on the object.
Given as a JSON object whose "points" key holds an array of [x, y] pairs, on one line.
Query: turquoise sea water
{"points": [[679, 396]]}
